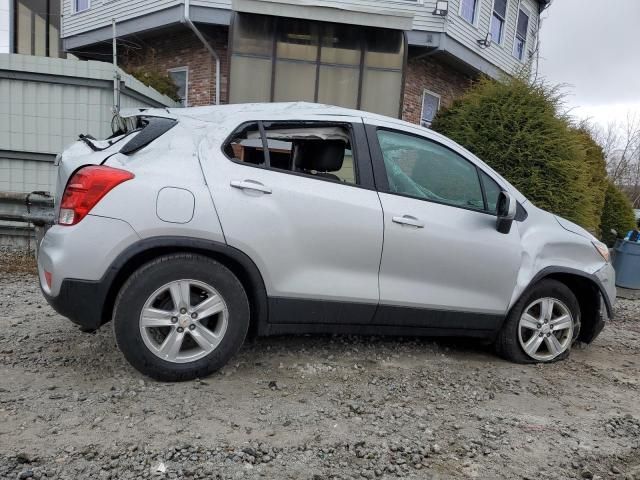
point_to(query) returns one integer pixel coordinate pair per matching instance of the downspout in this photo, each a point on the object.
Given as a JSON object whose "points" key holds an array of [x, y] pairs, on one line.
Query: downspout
{"points": [[186, 19]]}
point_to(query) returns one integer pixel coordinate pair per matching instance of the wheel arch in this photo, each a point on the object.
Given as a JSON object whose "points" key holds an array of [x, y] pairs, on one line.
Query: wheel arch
{"points": [[148, 249], [588, 291]]}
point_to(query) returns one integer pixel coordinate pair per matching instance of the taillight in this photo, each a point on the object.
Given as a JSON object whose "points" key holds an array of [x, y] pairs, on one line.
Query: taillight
{"points": [[85, 189]]}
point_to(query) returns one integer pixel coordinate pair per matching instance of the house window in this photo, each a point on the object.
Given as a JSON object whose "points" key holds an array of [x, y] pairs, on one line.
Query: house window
{"points": [[80, 5], [37, 28], [468, 10], [521, 35], [284, 60], [498, 20], [430, 106], [180, 77]]}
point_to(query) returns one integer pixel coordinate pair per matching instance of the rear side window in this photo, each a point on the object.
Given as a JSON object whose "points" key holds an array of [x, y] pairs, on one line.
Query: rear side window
{"points": [[318, 149]]}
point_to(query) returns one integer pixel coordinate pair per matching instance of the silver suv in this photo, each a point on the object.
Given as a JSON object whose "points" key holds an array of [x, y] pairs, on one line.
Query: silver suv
{"points": [[191, 228]]}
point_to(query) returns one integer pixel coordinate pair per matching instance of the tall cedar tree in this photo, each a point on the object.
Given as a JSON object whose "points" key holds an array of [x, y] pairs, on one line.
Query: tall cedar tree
{"points": [[517, 128]]}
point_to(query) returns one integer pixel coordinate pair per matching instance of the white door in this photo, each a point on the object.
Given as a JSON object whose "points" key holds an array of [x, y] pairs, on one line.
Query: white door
{"points": [[442, 254], [314, 236]]}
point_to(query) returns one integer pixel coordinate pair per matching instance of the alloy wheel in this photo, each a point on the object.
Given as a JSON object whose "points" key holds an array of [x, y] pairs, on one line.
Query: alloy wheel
{"points": [[183, 321], [545, 329]]}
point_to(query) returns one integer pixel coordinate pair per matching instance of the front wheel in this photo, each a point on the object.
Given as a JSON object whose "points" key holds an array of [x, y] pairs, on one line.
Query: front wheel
{"points": [[541, 326], [180, 317]]}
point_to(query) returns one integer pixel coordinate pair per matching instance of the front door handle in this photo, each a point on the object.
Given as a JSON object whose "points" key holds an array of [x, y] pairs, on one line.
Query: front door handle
{"points": [[250, 185], [408, 220]]}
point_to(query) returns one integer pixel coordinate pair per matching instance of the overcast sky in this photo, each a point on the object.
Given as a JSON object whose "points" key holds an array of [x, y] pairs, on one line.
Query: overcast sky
{"points": [[594, 47]]}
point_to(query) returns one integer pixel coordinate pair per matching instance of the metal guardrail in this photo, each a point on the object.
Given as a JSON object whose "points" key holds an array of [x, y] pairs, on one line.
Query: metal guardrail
{"points": [[35, 208]]}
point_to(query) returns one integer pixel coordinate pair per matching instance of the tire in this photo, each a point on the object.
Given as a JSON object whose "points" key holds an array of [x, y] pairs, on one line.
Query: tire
{"points": [[520, 331], [155, 327]]}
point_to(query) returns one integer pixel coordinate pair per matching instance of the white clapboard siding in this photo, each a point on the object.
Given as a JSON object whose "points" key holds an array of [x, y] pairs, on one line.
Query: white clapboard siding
{"points": [[499, 55], [102, 11]]}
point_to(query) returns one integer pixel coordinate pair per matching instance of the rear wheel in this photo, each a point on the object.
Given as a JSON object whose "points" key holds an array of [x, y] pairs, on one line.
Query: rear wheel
{"points": [[541, 326], [180, 317]]}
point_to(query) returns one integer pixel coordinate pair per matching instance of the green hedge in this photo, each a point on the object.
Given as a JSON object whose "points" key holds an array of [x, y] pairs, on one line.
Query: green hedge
{"points": [[157, 80], [617, 214], [515, 126]]}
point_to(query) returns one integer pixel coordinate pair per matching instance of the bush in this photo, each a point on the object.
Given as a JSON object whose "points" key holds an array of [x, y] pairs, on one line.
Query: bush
{"points": [[516, 127], [617, 214], [157, 80]]}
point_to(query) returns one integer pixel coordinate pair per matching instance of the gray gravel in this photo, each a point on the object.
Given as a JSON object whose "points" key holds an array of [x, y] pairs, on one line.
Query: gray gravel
{"points": [[312, 407]]}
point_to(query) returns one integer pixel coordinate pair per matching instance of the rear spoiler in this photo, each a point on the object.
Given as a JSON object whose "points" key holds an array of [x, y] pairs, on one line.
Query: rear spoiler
{"points": [[155, 127]]}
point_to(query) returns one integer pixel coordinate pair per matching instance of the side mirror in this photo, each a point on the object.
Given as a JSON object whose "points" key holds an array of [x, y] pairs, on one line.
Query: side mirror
{"points": [[506, 212]]}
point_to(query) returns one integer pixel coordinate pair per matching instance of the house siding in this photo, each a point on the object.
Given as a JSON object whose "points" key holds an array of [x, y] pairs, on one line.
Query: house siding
{"points": [[102, 12], [500, 55]]}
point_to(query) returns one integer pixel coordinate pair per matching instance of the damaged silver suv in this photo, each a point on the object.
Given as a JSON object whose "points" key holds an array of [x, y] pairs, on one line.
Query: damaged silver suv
{"points": [[190, 228]]}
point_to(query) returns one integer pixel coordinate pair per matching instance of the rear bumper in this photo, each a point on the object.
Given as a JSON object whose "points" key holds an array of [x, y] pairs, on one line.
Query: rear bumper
{"points": [[81, 301]]}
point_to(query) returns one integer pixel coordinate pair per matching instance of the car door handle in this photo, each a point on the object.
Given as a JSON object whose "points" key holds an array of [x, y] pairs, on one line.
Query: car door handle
{"points": [[250, 185], [408, 220]]}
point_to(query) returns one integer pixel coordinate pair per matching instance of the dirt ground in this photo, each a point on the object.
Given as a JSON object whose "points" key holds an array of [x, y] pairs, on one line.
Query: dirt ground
{"points": [[313, 407]]}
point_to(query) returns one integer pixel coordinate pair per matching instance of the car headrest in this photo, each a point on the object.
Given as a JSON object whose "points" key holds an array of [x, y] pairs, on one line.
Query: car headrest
{"points": [[319, 155]]}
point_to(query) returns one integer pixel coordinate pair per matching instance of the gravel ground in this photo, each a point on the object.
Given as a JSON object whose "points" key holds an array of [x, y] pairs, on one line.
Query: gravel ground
{"points": [[312, 407]]}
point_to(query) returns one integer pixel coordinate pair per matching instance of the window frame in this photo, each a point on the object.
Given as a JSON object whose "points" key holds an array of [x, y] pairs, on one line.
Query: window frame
{"points": [[476, 13], [503, 30], [75, 6], [525, 10], [433, 94], [380, 171], [186, 86], [362, 167]]}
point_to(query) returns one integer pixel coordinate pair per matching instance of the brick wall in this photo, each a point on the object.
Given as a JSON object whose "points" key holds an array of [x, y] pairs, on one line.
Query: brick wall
{"points": [[431, 74], [181, 48]]}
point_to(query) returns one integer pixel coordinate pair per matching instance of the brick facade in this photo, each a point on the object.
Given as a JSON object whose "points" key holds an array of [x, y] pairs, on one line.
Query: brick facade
{"points": [[181, 48], [434, 75]]}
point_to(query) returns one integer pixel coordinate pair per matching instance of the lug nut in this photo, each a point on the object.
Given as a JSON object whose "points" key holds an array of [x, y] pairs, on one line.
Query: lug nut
{"points": [[548, 334], [194, 315], [539, 325], [192, 327], [541, 334], [183, 310], [180, 329], [174, 319]]}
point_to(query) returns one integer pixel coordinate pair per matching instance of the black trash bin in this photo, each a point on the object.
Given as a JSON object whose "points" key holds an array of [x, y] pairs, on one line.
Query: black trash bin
{"points": [[626, 262]]}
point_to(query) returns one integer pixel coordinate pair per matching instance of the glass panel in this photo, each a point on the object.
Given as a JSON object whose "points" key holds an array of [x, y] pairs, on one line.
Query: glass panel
{"points": [[55, 47], [40, 28], [518, 48], [82, 5], [496, 28], [253, 34], [338, 86], [523, 24], [180, 79], [381, 92], [468, 10], [340, 44], [246, 146], [251, 79], [423, 169], [430, 105], [347, 172], [297, 40], [294, 81], [384, 49], [500, 7], [491, 190]]}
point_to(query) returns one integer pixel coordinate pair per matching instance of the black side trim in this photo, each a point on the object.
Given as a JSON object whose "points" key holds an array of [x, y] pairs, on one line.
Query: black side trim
{"points": [[80, 301], [390, 315], [302, 310], [344, 329], [156, 127]]}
